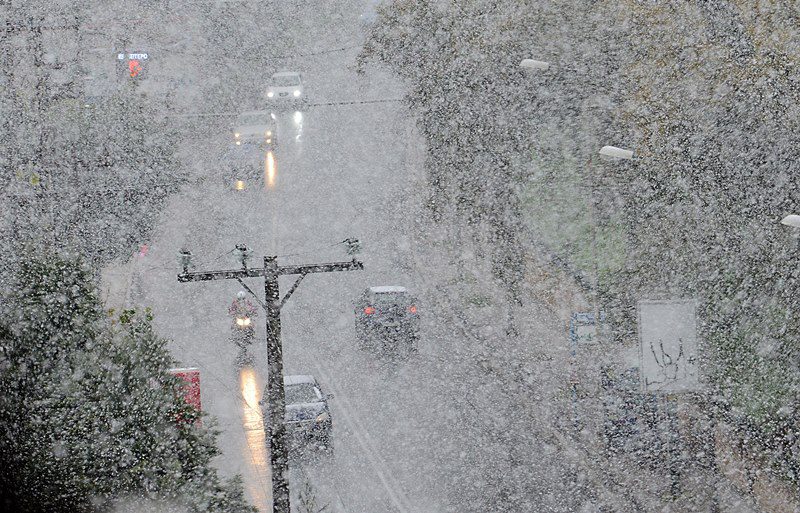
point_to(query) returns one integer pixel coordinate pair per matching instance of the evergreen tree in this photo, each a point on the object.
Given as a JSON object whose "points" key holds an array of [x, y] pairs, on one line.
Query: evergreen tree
{"points": [[473, 110], [89, 415]]}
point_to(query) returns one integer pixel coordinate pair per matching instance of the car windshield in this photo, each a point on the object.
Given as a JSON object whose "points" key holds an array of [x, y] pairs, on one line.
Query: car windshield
{"points": [[254, 119], [301, 393], [285, 80], [390, 298]]}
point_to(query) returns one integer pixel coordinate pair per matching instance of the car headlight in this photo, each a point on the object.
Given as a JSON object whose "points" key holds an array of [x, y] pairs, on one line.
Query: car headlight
{"points": [[243, 321], [238, 143], [323, 417], [296, 93], [237, 135], [270, 94], [268, 133]]}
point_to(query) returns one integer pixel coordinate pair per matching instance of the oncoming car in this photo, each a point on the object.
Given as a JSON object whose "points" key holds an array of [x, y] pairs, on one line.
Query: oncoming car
{"points": [[286, 87], [255, 127], [387, 315], [308, 417]]}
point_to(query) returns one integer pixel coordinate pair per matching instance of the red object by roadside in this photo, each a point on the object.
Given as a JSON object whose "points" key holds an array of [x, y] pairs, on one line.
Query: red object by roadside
{"points": [[191, 388]]}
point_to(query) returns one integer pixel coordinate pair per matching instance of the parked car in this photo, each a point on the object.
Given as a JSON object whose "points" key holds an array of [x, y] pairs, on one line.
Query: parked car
{"points": [[286, 88], [387, 316], [255, 127], [308, 417]]}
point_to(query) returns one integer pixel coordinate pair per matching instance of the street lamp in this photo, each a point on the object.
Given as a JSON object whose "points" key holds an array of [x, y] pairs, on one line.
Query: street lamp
{"points": [[607, 153], [534, 64], [612, 152], [792, 220]]}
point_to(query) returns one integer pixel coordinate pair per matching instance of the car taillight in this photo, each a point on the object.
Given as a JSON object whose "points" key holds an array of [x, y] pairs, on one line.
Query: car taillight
{"points": [[412, 308], [369, 310]]}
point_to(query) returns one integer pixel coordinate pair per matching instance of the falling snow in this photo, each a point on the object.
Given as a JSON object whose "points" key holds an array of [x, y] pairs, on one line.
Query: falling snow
{"points": [[567, 231]]}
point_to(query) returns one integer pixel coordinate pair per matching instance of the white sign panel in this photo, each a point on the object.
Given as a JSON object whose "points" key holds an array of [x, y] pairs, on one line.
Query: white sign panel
{"points": [[133, 56], [668, 346], [582, 329]]}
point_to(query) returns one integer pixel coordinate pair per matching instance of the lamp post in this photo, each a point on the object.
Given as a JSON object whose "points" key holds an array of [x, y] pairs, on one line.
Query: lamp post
{"points": [[608, 153]]}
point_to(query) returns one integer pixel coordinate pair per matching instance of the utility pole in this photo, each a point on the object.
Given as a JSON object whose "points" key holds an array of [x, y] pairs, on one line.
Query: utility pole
{"points": [[276, 407]]}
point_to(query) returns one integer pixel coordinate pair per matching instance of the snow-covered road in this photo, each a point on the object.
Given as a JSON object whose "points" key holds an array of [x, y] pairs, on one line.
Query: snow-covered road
{"points": [[425, 435], [339, 171]]}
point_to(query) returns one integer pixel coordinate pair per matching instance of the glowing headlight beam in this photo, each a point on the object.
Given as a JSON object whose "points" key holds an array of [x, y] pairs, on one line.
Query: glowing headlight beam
{"points": [[270, 169]]}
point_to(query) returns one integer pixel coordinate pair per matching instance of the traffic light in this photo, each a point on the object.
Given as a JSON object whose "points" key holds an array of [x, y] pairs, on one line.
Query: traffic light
{"points": [[135, 64], [135, 68]]}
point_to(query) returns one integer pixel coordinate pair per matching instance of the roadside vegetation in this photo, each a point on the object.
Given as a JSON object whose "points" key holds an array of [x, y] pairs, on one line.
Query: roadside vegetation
{"points": [[90, 417], [705, 95]]}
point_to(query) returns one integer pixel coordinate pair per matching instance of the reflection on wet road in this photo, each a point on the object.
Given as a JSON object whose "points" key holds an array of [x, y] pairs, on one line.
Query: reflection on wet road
{"points": [[256, 448], [298, 125], [270, 170]]}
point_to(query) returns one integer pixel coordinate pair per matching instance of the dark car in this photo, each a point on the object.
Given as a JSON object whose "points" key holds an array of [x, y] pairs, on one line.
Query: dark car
{"points": [[308, 417], [388, 316], [243, 166]]}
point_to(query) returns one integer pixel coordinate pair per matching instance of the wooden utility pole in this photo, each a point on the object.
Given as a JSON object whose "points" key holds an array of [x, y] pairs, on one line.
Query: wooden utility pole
{"points": [[276, 403]]}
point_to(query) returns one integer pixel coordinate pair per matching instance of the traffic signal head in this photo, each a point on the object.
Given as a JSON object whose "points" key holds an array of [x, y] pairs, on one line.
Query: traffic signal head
{"points": [[135, 63], [134, 67]]}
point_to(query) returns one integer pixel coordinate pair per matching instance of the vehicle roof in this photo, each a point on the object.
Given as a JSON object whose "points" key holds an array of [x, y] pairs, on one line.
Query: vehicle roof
{"points": [[286, 74], [297, 379], [382, 289]]}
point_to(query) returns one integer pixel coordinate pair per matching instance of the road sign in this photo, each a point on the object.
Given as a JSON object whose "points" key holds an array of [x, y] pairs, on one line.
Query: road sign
{"points": [[582, 329], [668, 345], [137, 56]]}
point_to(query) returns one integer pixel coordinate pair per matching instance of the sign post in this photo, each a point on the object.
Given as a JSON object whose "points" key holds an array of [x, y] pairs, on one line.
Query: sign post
{"points": [[582, 331]]}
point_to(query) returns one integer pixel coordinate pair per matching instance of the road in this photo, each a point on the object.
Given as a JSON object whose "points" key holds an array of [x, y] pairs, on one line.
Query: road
{"points": [[437, 433], [450, 430], [339, 171]]}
